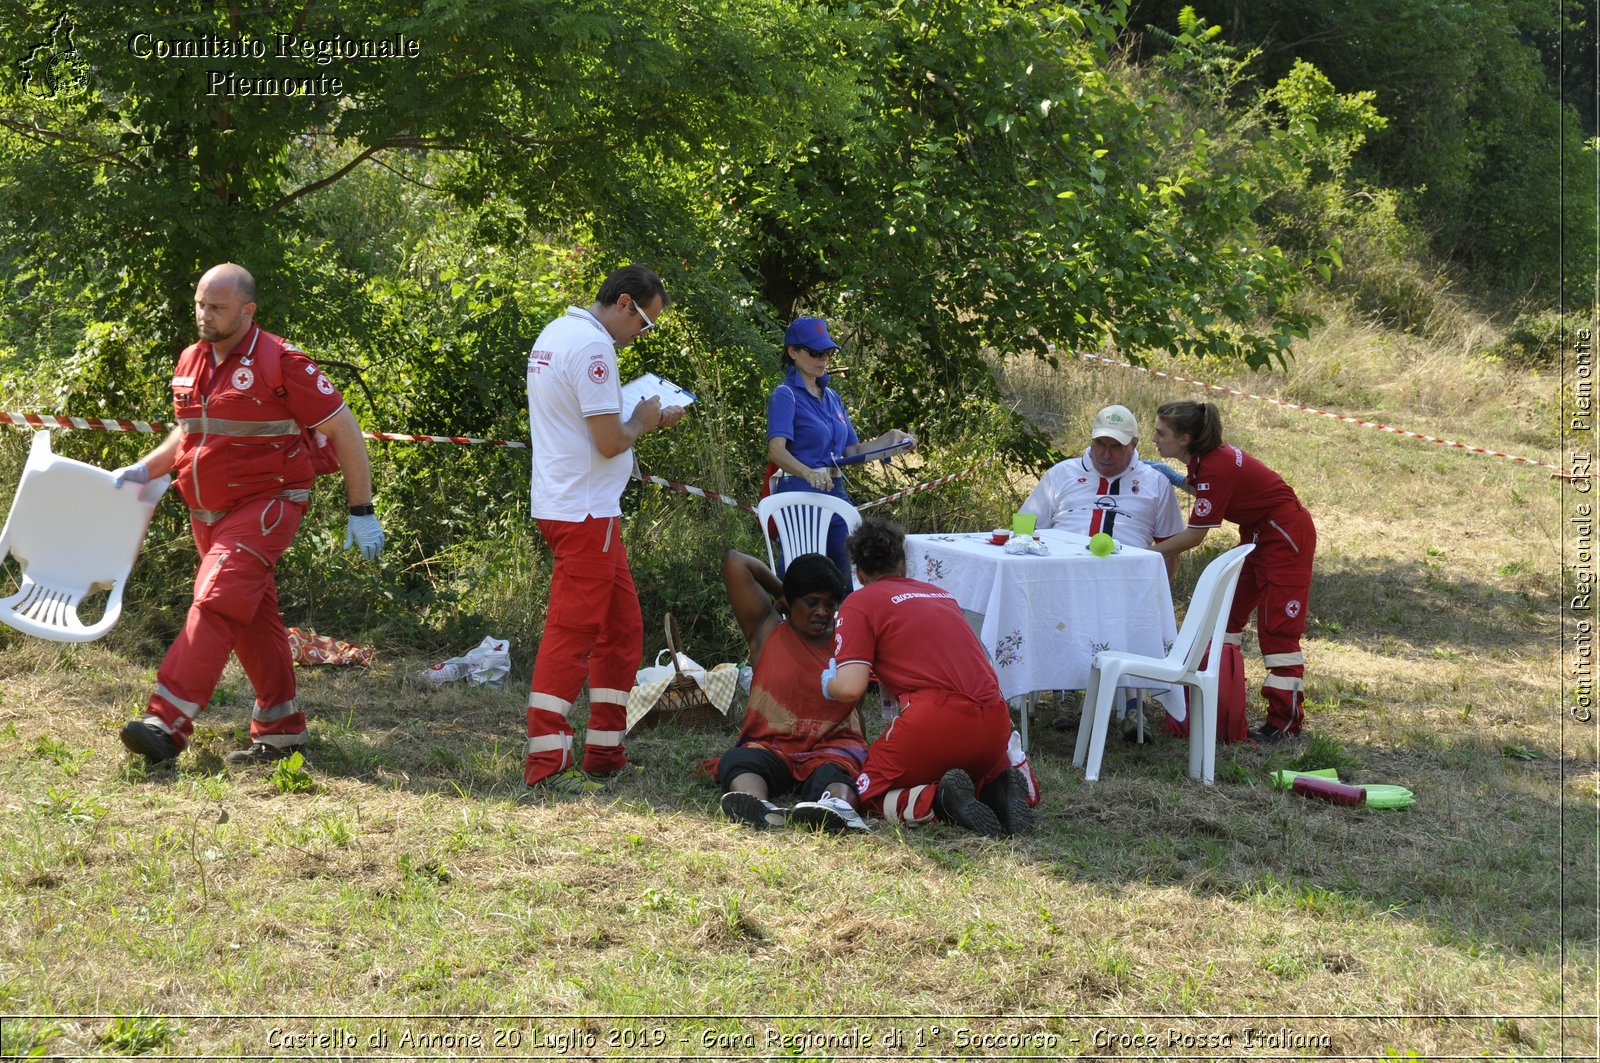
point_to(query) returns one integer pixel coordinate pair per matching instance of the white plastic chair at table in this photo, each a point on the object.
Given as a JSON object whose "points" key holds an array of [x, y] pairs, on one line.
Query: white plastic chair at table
{"points": [[802, 519], [73, 532], [1203, 626]]}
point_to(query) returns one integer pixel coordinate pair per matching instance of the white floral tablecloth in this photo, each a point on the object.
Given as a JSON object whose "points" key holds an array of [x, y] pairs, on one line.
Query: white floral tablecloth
{"points": [[1043, 618]]}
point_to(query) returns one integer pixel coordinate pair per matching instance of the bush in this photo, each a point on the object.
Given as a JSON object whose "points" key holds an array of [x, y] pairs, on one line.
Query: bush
{"points": [[1537, 338]]}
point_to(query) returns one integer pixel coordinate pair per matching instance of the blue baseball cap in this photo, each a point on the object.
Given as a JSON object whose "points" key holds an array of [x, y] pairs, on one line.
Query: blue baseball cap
{"points": [[810, 333]]}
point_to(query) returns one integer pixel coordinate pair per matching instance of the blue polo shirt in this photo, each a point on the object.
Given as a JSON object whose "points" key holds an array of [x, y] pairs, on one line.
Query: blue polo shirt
{"points": [[818, 430]]}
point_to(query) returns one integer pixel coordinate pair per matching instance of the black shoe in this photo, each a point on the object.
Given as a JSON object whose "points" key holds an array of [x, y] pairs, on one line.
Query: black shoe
{"points": [[748, 808], [829, 813], [150, 742], [956, 802], [1069, 708], [259, 753], [1008, 797], [1267, 734]]}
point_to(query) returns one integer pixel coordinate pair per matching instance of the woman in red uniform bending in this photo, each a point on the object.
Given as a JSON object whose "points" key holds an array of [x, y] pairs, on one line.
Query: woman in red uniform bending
{"points": [[1229, 484]]}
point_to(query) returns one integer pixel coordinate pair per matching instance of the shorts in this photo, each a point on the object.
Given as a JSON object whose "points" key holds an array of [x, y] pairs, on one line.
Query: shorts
{"points": [[758, 760]]}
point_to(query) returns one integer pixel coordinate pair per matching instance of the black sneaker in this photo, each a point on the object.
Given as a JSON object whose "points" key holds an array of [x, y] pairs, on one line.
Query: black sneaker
{"points": [[1008, 797], [956, 802], [259, 753], [829, 813], [1267, 734], [748, 808], [150, 742]]}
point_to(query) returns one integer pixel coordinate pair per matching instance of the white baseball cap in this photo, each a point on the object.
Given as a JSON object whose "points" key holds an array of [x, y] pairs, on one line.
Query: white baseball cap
{"points": [[1116, 422]]}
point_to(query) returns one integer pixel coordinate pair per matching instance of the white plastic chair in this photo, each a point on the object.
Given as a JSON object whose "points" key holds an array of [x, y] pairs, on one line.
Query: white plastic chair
{"points": [[73, 532], [1203, 626], [802, 519]]}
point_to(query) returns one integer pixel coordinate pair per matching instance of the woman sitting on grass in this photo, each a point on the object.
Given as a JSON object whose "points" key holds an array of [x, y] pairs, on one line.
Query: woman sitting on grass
{"points": [[793, 738], [944, 756]]}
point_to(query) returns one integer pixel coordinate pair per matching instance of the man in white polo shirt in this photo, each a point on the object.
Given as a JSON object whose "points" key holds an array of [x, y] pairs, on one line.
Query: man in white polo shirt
{"points": [[1109, 489], [582, 459]]}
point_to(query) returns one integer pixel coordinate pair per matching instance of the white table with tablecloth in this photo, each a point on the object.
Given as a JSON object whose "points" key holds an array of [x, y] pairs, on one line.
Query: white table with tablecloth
{"points": [[1042, 618]]}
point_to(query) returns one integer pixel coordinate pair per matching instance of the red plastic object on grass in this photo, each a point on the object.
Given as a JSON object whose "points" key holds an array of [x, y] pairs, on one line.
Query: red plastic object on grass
{"points": [[1330, 790]]}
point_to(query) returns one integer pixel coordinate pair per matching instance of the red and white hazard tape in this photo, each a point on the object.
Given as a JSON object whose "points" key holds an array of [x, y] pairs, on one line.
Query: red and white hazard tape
{"points": [[930, 485], [44, 420], [1333, 416], [106, 424], [698, 492], [406, 437]]}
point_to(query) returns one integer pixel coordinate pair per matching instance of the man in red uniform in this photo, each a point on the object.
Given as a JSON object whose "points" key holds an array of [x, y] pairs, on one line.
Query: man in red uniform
{"points": [[944, 756], [241, 459], [582, 443]]}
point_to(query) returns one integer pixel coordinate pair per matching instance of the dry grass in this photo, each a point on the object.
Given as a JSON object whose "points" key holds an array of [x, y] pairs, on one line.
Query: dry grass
{"points": [[408, 882]]}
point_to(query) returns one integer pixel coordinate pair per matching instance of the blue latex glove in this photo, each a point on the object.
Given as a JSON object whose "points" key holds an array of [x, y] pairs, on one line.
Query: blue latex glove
{"points": [[136, 473], [828, 675], [1170, 473], [364, 532]]}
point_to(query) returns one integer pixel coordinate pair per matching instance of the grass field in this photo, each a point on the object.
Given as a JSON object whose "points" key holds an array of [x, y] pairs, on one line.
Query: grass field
{"points": [[186, 914]]}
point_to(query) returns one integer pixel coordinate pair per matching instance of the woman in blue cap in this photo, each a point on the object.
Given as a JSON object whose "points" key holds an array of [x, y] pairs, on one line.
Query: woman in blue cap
{"points": [[808, 429]]}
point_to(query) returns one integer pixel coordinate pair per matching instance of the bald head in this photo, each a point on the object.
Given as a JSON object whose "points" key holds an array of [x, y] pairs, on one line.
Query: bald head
{"points": [[234, 276], [224, 306]]}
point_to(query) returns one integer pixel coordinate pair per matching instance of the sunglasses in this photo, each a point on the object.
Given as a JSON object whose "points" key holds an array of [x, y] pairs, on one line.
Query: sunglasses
{"points": [[648, 324]]}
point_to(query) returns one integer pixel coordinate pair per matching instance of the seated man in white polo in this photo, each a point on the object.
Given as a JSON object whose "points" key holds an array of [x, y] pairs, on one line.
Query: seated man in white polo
{"points": [[1109, 489]]}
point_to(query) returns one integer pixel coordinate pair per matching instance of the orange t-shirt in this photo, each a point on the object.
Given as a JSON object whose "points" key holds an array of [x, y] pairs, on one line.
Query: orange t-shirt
{"points": [[787, 713]]}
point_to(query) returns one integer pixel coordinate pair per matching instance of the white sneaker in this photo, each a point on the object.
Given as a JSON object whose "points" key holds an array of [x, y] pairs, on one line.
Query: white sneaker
{"points": [[748, 808], [829, 813]]}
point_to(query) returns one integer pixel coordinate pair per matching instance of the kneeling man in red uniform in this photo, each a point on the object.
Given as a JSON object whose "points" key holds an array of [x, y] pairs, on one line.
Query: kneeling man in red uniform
{"points": [[944, 756], [241, 459]]}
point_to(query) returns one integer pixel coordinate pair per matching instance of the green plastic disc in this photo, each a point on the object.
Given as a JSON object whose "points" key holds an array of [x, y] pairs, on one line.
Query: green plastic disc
{"points": [[1381, 795], [1284, 779]]}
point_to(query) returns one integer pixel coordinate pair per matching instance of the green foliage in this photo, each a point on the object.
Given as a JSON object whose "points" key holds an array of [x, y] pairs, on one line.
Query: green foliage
{"points": [[999, 188], [1485, 151], [71, 807], [70, 760], [23, 1040], [1324, 752], [289, 776], [140, 1033], [421, 870], [1537, 338]]}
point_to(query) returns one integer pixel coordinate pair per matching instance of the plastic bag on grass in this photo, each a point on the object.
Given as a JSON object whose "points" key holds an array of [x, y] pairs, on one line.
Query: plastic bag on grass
{"points": [[487, 664]]}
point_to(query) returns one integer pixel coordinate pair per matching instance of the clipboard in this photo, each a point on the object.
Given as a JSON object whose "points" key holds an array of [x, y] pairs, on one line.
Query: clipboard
{"points": [[652, 386], [877, 453]]}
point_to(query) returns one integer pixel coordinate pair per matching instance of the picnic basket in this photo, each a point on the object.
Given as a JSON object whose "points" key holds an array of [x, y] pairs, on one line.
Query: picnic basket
{"points": [[683, 704]]}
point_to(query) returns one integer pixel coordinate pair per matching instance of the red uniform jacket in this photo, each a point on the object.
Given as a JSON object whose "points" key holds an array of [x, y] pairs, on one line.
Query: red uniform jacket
{"points": [[240, 441]]}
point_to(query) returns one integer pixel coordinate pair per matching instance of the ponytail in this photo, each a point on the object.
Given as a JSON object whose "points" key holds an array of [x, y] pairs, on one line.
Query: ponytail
{"points": [[1200, 421]]}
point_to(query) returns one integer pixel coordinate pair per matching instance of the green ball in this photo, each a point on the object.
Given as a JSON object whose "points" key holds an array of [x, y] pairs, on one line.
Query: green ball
{"points": [[1101, 545]]}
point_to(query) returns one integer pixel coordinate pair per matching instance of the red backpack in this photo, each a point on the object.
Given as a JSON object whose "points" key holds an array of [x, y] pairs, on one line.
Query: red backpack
{"points": [[324, 459]]}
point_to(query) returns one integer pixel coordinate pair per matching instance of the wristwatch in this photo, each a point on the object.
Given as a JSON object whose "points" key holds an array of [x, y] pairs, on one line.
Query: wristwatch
{"points": [[366, 510]]}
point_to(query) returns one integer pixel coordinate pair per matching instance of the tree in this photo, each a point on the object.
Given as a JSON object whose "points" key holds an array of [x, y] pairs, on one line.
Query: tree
{"points": [[1477, 136]]}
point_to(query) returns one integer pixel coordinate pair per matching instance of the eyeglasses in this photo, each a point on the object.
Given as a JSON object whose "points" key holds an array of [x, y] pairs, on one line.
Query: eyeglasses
{"points": [[648, 324], [819, 354]]}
